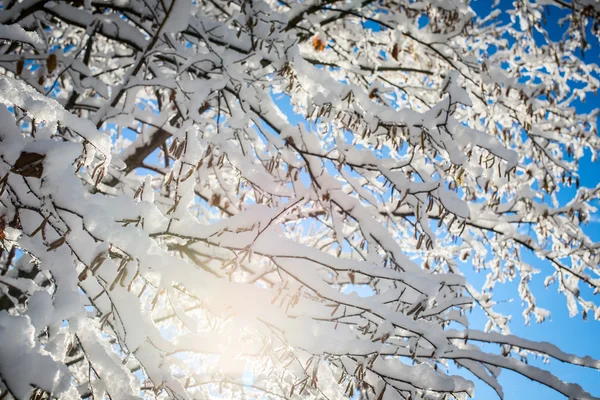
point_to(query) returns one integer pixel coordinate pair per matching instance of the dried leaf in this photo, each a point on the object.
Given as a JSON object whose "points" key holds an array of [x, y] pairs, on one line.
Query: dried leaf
{"points": [[29, 164], [3, 183], [395, 51], [319, 44], [20, 66], [204, 107], [187, 175], [56, 244], [41, 227], [51, 62], [97, 261], [83, 275]]}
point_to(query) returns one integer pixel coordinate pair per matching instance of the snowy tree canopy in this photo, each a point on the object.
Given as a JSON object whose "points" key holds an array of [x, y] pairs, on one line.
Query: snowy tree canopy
{"points": [[190, 190]]}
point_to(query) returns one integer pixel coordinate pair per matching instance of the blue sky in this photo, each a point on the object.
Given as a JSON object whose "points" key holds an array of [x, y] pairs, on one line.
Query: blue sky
{"points": [[572, 335]]}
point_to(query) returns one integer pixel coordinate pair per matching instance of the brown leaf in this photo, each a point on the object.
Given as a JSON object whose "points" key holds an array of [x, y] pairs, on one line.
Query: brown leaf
{"points": [[20, 66], [51, 62], [179, 150], [204, 107], [335, 309], [173, 146], [395, 51], [118, 278], [3, 184], [29, 164], [56, 244], [187, 175], [319, 44], [2, 226], [97, 261], [15, 223], [215, 200], [99, 177], [41, 227], [83, 275]]}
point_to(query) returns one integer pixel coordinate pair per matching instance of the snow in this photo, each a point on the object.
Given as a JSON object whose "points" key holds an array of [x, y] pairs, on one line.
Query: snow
{"points": [[14, 92], [24, 363], [16, 33], [179, 16], [224, 204], [117, 379]]}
